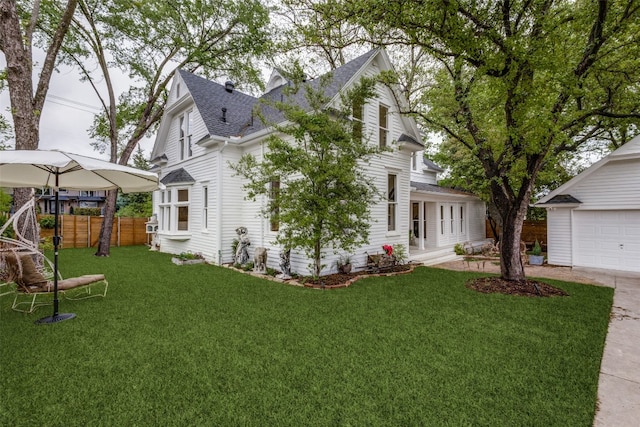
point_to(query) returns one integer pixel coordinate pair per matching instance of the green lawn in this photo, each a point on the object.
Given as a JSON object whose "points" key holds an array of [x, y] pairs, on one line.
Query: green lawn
{"points": [[202, 345]]}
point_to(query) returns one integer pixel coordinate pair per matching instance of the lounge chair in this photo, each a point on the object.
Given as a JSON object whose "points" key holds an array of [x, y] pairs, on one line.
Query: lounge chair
{"points": [[28, 274], [33, 289]]}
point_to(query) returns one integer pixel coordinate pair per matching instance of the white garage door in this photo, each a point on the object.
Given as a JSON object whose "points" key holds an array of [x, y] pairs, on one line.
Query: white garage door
{"points": [[607, 239]]}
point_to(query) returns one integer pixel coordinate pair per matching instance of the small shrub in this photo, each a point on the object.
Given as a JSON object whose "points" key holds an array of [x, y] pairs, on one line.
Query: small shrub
{"points": [[47, 222], [87, 211], [400, 253], [189, 255], [537, 249], [46, 244], [459, 249]]}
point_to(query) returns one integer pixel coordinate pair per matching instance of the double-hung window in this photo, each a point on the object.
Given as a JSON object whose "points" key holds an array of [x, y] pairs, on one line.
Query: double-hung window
{"points": [[205, 207], [185, 123], [452, 219], [383, 125], [392, 201], [165, 210], [182, 208]]}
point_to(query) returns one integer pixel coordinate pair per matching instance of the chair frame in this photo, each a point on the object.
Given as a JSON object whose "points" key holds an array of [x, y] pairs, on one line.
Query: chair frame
{"points": [[26, 299]]}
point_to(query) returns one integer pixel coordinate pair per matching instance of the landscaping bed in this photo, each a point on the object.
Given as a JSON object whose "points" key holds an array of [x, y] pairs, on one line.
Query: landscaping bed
{"points": [[341, 280]]}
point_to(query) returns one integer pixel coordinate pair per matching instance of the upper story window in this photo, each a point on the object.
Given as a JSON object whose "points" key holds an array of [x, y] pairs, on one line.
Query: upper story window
{"points": [[178, 91], [358, 119], [186, 124], [392, 201], [383, 125], [274, 195], [414, 161]]}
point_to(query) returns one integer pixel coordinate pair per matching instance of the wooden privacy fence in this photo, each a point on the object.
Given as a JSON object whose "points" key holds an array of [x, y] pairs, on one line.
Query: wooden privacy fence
{"points": [[531, 231], [84, 231]]}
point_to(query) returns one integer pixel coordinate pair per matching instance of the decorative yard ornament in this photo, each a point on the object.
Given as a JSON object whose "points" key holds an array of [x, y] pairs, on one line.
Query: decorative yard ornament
{"points": [[260, 261], [285, 264], [242, 250]]}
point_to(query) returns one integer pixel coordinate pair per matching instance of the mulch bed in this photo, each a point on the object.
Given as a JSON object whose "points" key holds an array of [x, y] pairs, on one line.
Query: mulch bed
{"points": [[342, 280], [529, 288]]}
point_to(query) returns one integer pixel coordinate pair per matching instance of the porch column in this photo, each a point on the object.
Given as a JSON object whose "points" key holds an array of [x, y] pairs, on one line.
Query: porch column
{"points": [[421, 227]]}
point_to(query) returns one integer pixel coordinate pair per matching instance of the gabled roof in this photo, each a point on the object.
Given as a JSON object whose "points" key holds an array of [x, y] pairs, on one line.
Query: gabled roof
{"points": [[178, 176], [564, 199], [630, 150], [240, 116], [238, 120], [211, 97]]}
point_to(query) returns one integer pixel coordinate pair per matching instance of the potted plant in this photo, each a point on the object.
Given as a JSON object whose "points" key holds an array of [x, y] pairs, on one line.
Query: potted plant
{"points": [[344, 264], [536, 257]]}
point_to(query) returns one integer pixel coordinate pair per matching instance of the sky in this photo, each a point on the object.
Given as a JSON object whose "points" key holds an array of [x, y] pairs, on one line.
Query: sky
{"points": [[68, 112]]}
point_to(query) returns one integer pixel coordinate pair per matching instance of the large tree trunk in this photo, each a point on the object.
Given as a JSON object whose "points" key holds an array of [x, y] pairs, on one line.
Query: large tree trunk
{"points": [[104, 243], [511, 266], [26, 108]]}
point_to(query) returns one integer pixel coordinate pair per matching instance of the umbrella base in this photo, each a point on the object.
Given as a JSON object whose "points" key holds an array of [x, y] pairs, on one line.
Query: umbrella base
{"points": [[55, 319]]}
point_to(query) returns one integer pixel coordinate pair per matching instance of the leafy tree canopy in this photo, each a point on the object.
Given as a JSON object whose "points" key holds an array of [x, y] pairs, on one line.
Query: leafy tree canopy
{"points": [[323, 202], [518, 84]]}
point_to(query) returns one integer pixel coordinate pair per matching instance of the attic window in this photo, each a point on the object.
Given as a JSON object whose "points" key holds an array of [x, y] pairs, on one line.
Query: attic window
{"points": [[178, 90], [383, 121]]}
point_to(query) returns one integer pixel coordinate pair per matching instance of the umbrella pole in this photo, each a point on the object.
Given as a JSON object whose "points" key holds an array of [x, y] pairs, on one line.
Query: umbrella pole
{"points": [[57, 317]]}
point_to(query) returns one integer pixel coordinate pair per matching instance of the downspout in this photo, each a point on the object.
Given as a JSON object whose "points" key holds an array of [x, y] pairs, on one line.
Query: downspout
{"points": [[262, 220], [219, 200]]}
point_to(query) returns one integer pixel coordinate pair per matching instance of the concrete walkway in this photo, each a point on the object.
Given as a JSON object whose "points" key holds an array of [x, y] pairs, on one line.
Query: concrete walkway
{"points": [[619, 384]]}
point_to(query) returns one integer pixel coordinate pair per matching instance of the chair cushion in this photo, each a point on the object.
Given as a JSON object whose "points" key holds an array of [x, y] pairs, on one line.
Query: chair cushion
{"points": [[74, 282], [30, 275]]}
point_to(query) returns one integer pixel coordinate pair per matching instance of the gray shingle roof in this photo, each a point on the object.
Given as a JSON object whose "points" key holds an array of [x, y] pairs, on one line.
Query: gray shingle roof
{"points": [[411, 140], [432, 188], [563, 199], [432, 165], [210, 97], [177, 176]]}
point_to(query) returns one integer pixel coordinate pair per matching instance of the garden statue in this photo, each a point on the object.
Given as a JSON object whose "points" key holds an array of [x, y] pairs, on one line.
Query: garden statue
{"points": [[260, 261], [285, 264], [242, 250]]}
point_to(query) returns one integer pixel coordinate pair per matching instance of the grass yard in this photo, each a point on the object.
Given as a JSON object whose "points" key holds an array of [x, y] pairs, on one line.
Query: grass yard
{"points": [[202, 345]]}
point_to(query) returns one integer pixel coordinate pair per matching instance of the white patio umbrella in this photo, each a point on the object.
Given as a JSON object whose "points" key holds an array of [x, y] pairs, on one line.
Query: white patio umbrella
{"points": [[58, 169]]}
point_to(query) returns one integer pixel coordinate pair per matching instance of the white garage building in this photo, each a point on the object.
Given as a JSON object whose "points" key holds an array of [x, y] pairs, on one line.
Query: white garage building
{"points": [[593, 220]]}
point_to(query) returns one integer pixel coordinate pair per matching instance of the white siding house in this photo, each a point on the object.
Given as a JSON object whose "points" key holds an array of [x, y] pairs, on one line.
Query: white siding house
{"points": [[440, 216], [208, 126], [593, 220]]}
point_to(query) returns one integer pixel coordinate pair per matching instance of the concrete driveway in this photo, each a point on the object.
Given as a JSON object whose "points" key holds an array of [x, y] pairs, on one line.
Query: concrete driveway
{"points": [[619, 383]]}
